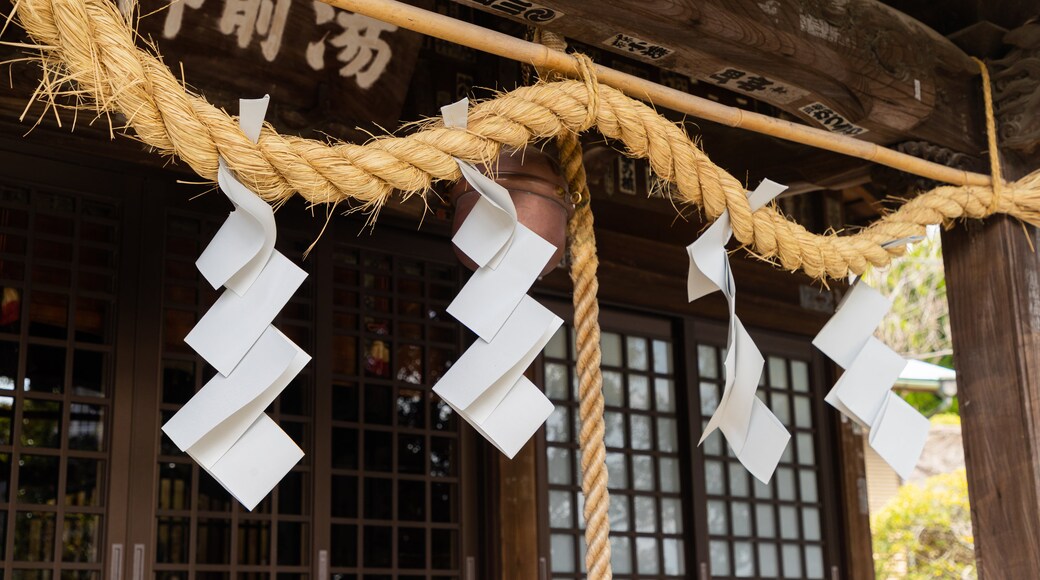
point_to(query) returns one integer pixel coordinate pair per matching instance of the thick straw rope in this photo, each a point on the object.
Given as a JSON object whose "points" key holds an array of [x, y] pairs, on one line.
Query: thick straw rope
{"points": [[584, 263], [91, 44]]}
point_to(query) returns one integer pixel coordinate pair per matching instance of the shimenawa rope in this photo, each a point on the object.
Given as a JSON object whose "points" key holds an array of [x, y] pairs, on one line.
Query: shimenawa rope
{"points": [[90, 43]]}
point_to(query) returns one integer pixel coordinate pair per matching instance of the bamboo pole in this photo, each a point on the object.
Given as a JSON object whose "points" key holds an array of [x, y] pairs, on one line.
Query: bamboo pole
{"points": [[503, 45]]}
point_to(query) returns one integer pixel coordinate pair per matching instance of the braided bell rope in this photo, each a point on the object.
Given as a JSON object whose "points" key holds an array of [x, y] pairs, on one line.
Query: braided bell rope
{"points": [[581, 241], [89, 43]]}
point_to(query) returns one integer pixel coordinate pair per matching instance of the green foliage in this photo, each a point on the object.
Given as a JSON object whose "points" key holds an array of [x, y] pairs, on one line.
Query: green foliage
{"points": [[925, 532], [918, 326], [947, 418]]}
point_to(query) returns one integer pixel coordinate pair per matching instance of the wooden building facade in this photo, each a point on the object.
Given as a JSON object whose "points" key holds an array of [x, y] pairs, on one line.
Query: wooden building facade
{"points": [[97, 249]]}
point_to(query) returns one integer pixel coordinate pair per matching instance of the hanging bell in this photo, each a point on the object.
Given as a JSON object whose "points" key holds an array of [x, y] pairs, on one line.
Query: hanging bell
{"points": [[538, 190]]}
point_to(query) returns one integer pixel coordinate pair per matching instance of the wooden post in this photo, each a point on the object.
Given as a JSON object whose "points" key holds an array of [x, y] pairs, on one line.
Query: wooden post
{"points": [[993, 286]]}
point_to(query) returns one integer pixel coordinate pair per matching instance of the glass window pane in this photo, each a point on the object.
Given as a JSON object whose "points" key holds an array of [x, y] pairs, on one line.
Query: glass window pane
{"points": [[792, 561], [669, 470], [767, 564], [579, 509], [707, 362], [762, 490], [709, 398], [38, 480], [614, 424], [777, 372], [764, 525], [717, 524], [638, 392], [560, 468], [637, 353], [557, 427], [641, 432], [713, 444], [806, 452], [802, 412], [664, 391], [785, 483], [719, 553], [813, 562], [741, 516], [619, 518], [86, 427], [561, 509], [800, 376], [781, 407], [34, 537], [610, 343], [788, 522], [743, 559], [674, 559], [643, 472], [646, 556], [80, 537], [662, 357], [617, 471], [613, 395], [556, 381], [671, 515], [738, 480], [620, 553], [41, 423], [667, 435], [811, 523], [563, 556], [646, 514], [557, 345], [713, 477], [807, 485]]}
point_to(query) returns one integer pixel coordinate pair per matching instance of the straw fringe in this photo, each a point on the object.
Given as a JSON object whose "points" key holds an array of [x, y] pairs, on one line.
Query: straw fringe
{"points": [[91, 43]]}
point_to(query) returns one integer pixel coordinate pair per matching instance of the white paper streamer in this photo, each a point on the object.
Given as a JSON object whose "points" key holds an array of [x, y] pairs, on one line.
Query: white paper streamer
{"points": [[757, 437], [224, 427], [864, 391], [486, 385]]}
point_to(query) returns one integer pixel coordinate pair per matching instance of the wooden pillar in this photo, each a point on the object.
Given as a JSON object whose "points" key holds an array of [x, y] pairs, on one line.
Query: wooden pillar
{"points": [[993, 286]]}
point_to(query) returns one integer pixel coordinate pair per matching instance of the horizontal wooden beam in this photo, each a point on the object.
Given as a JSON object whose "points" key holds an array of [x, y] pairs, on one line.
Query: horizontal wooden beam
{"points": [[856, 67], [479, 38]]}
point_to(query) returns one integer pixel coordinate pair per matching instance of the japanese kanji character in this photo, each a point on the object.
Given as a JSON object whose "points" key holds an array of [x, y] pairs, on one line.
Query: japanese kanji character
{"points": [[244, 18], [727, 75], [753, 83], [175, 16], [364, 55]]}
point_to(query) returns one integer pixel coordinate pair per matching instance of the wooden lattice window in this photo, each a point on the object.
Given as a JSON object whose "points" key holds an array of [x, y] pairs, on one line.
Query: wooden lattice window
{"points": [[757, 530], [396, 461], [643, 442], [58, 256]]}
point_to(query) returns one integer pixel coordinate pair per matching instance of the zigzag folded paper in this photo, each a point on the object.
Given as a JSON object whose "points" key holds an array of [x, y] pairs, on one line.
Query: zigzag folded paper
{"points": [[757, 437], [224, 427], [864, 391], [486, 385]]}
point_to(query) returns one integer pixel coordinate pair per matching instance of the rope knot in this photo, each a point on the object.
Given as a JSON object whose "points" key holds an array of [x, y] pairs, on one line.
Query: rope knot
{"points": [[587, 74]]}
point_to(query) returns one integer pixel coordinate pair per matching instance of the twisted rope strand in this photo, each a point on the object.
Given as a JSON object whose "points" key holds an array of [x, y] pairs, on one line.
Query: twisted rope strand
{"points": [[584, 264], [91, 42]]}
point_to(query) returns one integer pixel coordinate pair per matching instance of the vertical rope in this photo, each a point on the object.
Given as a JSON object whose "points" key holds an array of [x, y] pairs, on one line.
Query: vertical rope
{"points": [[584, 263], [991, 138]]}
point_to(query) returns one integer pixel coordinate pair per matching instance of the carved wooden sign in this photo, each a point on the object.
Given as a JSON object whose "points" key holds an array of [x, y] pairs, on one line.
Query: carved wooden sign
{"points": [[326, 69], [854, 67]]}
